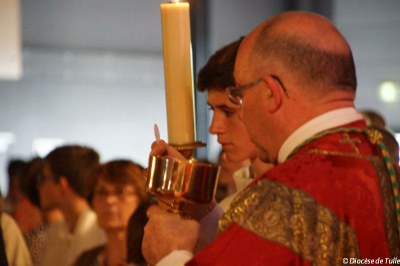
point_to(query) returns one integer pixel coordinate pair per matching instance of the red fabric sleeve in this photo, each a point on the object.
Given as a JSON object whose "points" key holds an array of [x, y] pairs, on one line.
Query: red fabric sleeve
{"points": [[238, 246]]}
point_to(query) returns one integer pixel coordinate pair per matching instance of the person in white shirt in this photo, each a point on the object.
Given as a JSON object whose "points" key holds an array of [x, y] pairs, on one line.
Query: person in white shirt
{"points": [[13, 243], [61, 185]]}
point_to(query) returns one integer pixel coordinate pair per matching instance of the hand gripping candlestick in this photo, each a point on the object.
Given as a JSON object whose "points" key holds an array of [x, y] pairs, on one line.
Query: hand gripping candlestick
{"points": [[173, 181]]}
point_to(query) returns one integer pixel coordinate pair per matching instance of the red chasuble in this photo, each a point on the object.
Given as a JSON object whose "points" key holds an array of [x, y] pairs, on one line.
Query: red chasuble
{"points": [[331, 201]]}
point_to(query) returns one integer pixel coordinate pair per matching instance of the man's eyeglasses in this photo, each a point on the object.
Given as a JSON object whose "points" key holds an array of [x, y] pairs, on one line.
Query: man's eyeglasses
{"points": [[235, 94]]}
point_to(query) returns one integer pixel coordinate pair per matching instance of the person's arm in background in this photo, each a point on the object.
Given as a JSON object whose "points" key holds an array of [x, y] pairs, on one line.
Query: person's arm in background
{"points": [[16, 249]]}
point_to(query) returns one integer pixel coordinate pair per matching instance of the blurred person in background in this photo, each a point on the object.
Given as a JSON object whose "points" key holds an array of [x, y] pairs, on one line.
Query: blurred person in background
{"points": [[61, 186], [27, 215], [391, 144], [373, 118], [376, 121], [135, 235], [36, 239], [13, 250], [116, 191]]}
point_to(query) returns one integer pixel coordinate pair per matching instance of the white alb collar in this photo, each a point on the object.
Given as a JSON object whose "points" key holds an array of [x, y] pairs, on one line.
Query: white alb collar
{"points": [[318, 124]]}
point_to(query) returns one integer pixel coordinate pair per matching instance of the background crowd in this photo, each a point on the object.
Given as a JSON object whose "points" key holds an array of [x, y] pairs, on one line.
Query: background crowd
{"points": [[70, 209]]}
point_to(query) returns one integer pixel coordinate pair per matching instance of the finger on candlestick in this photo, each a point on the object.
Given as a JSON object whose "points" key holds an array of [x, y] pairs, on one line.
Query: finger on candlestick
{"points": [[158, 148], [161, 148]]}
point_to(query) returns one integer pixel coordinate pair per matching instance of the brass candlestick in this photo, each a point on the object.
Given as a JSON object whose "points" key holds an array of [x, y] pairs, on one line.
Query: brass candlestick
{"points": [[187, 149], [177, 183]]}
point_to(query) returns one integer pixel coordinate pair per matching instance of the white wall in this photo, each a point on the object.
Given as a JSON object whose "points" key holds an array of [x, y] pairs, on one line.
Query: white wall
{"points": [[372, 29], [109, 101], [231, 19]]}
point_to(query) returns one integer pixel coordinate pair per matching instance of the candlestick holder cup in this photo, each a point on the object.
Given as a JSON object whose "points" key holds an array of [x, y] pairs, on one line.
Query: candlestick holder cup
{"points": [[177, 183]]}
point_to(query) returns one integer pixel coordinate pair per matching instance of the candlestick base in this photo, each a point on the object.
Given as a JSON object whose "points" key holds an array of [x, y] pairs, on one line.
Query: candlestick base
{"points": [[187, 149]]}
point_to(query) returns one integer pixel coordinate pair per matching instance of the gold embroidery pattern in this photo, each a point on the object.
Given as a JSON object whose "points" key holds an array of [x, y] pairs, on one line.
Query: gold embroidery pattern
{"points": [[351, 141], [392, 234], [292, 218], [389, 209], [374, 136], [339, 153]]}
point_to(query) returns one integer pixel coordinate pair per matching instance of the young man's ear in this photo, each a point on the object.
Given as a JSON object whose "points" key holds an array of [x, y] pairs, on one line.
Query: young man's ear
{"points": [[274, 92]]}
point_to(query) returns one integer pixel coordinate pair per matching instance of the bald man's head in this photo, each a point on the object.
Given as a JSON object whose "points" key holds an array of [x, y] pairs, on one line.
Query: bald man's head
{"points": [[305, 45]]}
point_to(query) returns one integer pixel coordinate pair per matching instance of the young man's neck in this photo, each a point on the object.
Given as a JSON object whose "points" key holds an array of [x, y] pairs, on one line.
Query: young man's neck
{"points": [[260, 167], [72, 209]]}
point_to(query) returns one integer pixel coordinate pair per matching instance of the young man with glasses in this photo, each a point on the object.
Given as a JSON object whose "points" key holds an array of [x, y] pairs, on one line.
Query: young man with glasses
{"points": [[61, 186], [333, 196]]}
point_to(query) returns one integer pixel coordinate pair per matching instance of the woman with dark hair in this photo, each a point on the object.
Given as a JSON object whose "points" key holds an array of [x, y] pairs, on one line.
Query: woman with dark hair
{"points": [[116, 191], [135, 235]]}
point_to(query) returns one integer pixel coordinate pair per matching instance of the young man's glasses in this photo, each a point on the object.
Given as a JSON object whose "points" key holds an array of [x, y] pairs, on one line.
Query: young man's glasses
{"points": [[235, 94]]}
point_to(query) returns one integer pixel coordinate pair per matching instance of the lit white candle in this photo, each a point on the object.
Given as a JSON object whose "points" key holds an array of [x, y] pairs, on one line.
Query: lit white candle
{"points": [[178, 75]]}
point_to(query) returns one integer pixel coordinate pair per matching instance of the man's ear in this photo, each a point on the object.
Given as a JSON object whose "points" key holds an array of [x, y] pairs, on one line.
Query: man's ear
{"points": [[274, 92]]}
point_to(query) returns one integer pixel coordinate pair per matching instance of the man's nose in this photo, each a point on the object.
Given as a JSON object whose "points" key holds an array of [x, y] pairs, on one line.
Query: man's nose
{"points": [[216, 127]]}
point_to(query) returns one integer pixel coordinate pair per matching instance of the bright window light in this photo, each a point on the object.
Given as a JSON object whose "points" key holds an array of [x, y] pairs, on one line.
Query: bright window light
{"points": [[389, 91], [6, 139]]}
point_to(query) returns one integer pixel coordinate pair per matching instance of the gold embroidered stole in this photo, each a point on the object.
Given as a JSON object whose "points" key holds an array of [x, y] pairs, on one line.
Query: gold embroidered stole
{"points": [[294, 219]]}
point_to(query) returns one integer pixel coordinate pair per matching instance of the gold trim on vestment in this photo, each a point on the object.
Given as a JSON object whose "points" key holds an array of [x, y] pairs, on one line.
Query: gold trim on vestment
{"points": [[294, 219], [392, 234]]}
